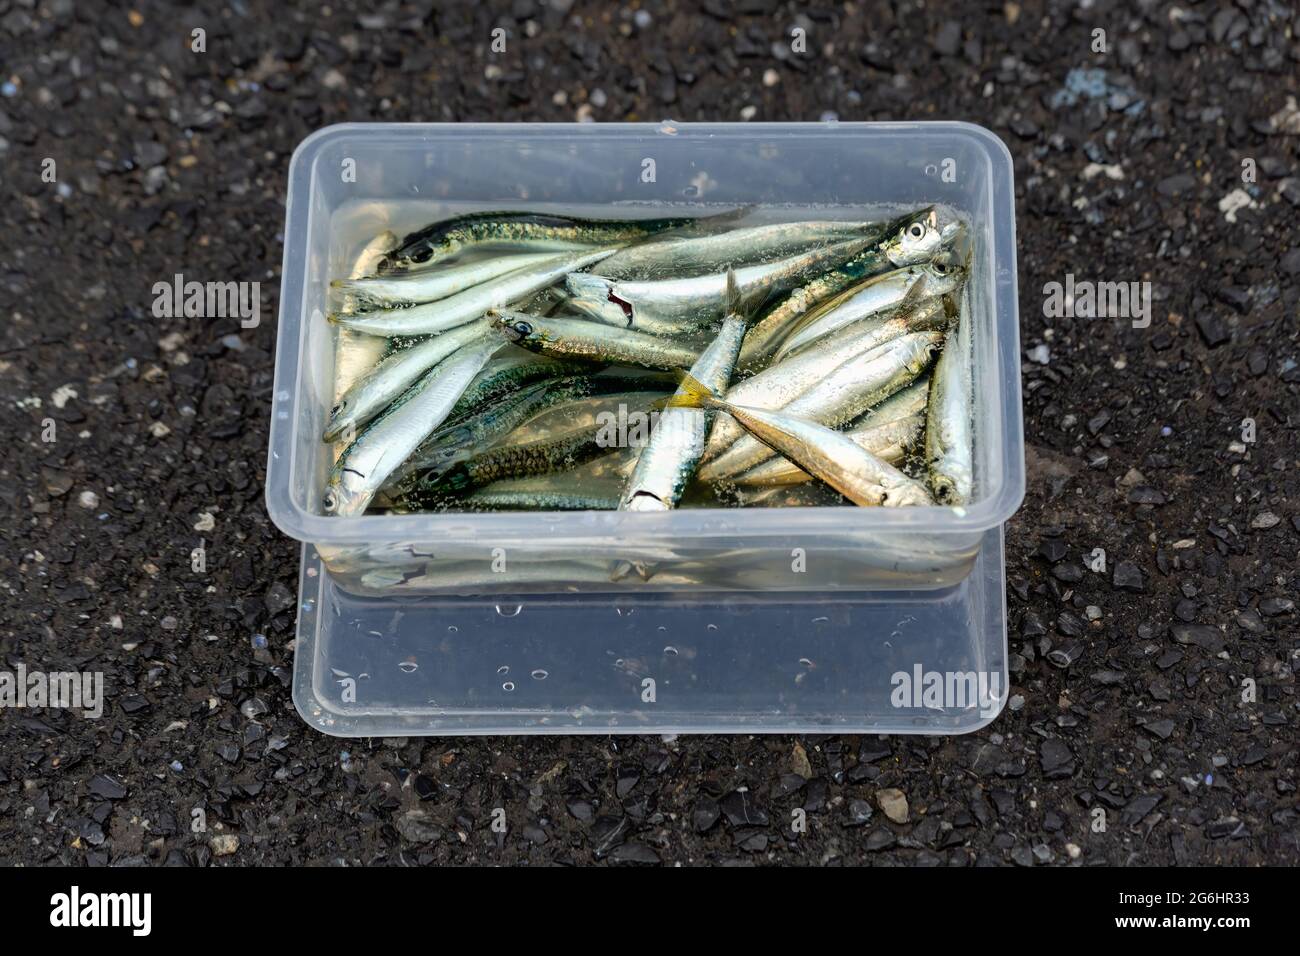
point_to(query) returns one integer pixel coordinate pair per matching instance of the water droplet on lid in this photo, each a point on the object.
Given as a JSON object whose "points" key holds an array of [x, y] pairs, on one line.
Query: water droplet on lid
{"points": [[540, 674], [509, 611], [408, 667], [670, 651], [508, 686], [805, 662], [503, 669]]}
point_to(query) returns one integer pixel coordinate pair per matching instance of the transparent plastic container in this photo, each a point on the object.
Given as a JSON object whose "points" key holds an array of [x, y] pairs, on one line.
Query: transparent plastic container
{"points": [[347, 183], [756, 619]]}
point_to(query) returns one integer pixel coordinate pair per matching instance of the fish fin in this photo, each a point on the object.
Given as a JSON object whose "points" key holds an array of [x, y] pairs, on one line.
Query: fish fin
{"points": [[730, 215], [912, 298], [951, 310], [691, 393], [750, 306], [733, 303]]}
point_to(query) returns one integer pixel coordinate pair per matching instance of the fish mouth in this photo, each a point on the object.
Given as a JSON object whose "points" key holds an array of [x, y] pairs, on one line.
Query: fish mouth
{"points": [[945, 490], [514, 330]]}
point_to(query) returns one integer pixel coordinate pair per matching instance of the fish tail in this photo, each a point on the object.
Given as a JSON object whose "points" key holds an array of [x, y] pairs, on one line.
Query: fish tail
{"points": [[691, 393]]}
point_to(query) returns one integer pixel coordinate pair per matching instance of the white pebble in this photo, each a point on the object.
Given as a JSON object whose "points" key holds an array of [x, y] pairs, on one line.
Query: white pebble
{"points": [[60, 396], [88, 499], [1234, 202]]}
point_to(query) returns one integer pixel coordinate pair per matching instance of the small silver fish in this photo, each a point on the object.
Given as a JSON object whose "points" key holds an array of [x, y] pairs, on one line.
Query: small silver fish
{"points": [[385, 383], [783, 382], [561, 337], [356, 353], [366, 463], [673, 306], [888, 441], [908, 240], [873, 297], [397, 291], [668, 461], [729, 249], [822, 452], [949, 453], [845, 393], [433, 317], [527, 231]]}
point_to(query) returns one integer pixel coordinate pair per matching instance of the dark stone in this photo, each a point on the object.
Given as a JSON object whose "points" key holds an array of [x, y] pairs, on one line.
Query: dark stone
{"points": [[1128, 577], [103, 786], [740, 810], [1202, 635]]}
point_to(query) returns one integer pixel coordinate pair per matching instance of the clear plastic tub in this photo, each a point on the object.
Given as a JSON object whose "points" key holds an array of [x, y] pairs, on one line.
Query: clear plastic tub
{"points": [[895, 662], [349, 182]]}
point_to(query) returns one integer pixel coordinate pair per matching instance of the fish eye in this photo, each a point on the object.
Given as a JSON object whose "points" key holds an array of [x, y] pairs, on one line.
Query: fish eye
{"points": [[940, 267], [329, 501], [523, 328], [916, 230]]}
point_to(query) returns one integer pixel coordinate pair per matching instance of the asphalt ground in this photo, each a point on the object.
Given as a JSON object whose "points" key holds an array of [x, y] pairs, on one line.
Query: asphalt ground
{"points": [[1162, 692]]}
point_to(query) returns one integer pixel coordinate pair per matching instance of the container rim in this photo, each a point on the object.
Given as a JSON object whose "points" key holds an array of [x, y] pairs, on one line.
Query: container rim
{"points": [[1002, 501]]}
